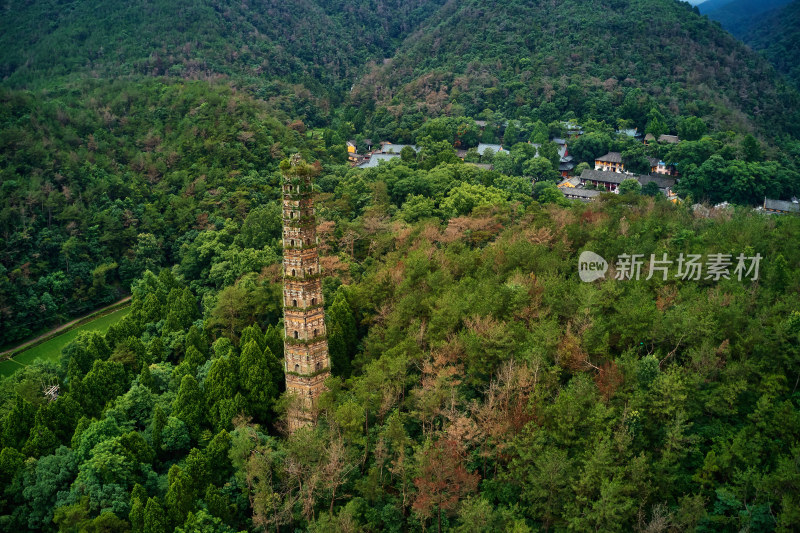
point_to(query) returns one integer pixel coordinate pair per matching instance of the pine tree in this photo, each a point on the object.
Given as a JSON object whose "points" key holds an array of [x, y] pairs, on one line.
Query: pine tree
{"points": [[154, 520], [157, 427], [273, 339], [198, 471], [138, 502], [17, 423], [194, 358], [156, 350], [252, 333], [189, 404], [221, 387], [42, 440], [257, 382], [337, 349], [197, 338], [217, 457], [146, 378], [342, 332], [179, 499], [182, 309]]}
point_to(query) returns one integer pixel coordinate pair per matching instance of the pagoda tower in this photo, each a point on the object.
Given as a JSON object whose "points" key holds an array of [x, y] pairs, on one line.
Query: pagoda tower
{"points": [[306, 360]]}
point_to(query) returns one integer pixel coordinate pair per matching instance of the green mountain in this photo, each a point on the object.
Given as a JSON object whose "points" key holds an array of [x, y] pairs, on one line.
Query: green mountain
{"points": [[545, 59], [511, 57], [738, 16], [777, 35], [477, 383], [322, 45]]}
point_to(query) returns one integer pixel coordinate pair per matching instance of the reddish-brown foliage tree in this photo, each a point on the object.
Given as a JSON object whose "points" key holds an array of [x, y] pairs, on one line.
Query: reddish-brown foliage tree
{"points": [[444, 480]]}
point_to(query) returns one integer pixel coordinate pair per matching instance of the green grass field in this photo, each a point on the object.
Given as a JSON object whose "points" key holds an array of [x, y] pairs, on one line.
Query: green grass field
{"points": [[51, 349]]}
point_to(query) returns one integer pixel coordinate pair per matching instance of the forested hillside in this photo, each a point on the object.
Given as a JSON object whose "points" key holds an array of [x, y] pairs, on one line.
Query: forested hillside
{"points": [[101, 183], [777, 35], [548, 59], [265, 46], [479, 385], [514, 58]]}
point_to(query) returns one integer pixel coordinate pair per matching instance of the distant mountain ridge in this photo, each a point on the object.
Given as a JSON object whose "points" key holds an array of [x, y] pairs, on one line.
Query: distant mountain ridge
{"points": [[739, 16], [777, 36], [297, 41], [432, 55], [710, 6], [518, 55]]}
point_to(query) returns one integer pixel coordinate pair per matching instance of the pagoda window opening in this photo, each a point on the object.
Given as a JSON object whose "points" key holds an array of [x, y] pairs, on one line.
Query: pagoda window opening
{"points": [[294, 303], [313, 301], [293, 273], [296, 334], [297, 368]]}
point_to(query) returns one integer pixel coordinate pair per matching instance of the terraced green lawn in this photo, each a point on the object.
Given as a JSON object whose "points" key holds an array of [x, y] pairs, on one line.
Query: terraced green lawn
{"points": [[51, 349]]}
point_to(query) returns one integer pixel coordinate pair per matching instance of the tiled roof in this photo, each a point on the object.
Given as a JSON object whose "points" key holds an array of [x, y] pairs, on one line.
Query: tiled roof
{"points": [[611, 157], [605, 177], [396, 148], [374, 159], [663, 182], [493, 147], [581, 194], [781, 205]]}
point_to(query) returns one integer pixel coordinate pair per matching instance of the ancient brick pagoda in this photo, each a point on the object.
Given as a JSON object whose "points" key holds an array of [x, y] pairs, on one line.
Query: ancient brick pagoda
{"points": [[306, 360]]}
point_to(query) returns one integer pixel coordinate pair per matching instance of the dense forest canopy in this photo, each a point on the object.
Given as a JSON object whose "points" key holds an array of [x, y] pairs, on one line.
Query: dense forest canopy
{"points": [[517, 58], [278, 50], [478, 384], [102, 183]]}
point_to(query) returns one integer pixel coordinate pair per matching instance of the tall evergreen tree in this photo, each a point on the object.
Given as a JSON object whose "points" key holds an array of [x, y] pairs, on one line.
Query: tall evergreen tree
{"points": [[155, 520], [342, 333], [257, 383], [190, 405]]}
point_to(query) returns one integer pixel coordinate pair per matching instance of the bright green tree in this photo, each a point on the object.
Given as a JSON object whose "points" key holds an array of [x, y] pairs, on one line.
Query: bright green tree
{"points": [[190, 405], [629, 185], [155, 520]]}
